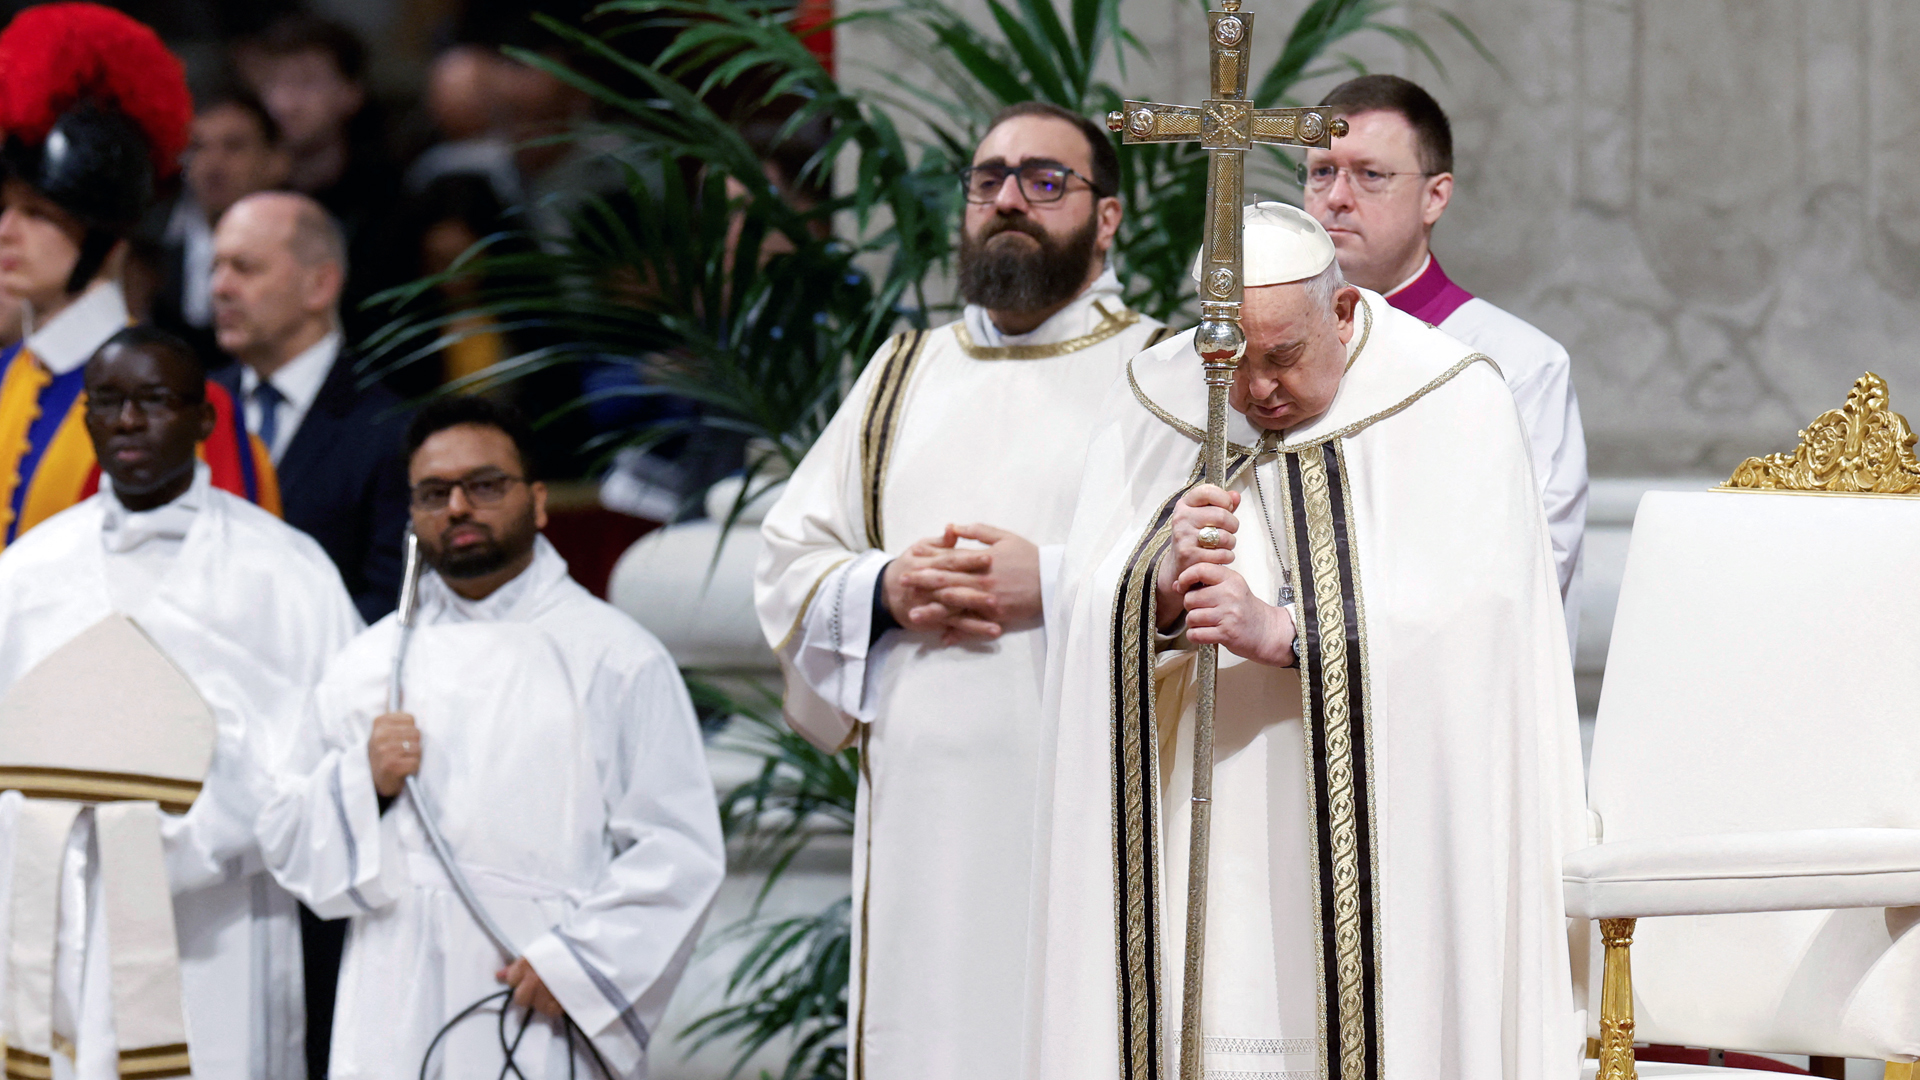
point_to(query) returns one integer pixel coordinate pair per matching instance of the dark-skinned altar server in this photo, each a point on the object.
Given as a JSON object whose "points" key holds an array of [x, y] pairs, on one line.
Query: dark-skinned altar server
{"points": [[904, 585], [1397, 768], [94, 111], [561, 755], [249, 609]]}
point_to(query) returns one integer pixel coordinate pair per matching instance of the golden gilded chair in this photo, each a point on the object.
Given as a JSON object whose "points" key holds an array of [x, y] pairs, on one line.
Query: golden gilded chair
{"points": [[1754, 794]]}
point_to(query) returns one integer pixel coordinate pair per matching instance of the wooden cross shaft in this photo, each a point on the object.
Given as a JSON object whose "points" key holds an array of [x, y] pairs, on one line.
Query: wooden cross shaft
{"points": [[1226, 125]]}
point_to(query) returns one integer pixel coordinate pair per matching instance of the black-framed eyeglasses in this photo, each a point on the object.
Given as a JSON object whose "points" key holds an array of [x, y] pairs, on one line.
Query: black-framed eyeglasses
{"points": [[1040, 181], [481, 489], [1320, 178], [150, 401]]}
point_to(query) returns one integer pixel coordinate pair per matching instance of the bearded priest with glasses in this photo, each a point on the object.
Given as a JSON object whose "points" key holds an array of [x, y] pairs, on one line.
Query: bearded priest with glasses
{"points": [[906, 585]]}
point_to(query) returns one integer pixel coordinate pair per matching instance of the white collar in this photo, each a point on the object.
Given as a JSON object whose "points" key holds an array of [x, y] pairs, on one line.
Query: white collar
{"points": [[1077, 318], [518, 600], [71, 337], [123, 530], [299, 379]]}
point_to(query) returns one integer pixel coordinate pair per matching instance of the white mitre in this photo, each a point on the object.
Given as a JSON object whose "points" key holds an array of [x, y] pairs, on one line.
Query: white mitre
{"points": [[1279, 244]]}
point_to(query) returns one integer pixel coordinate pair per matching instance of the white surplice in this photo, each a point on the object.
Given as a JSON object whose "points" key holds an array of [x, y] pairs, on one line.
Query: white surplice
{"points": [[250, 610], [985, 428], [564, 764], [1387, 830]]}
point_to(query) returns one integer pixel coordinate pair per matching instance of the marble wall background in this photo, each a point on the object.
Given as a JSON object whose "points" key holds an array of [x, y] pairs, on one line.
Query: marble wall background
{"points": [[1715, 204]]}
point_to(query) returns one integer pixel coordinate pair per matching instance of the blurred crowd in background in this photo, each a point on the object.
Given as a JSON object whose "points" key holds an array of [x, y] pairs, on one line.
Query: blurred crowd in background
{"points": [[419, 144]]}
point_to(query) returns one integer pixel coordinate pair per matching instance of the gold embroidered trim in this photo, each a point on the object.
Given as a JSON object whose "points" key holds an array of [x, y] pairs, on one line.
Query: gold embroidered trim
{"points": [[1343, 840], [155, 1062], [1111, 323], [859, 1049], [1861, 448], [801, 618], [1366, 726], [82, 785], [1136, 789], [1361, 425], [884, 408], [26, 1065], [1199, 435], [1134, 784]]}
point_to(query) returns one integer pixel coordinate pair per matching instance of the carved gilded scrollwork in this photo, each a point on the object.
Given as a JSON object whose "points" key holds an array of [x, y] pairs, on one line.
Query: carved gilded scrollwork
{"points": [[1861, 448], [1616, 1002]]}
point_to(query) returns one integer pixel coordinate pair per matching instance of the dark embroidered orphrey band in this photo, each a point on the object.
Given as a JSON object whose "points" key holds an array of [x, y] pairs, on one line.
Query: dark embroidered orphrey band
{"points": [[881, 419], [1111, 323], [1136, 794], [1336, 702]]}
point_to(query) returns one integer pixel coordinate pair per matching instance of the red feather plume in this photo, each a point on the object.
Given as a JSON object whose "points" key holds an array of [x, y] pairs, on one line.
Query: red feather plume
{"points": [[55, 55]]}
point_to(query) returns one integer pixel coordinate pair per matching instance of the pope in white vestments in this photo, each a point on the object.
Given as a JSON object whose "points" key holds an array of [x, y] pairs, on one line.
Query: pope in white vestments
{"points": [[558, 749], [965, 423], [249, 610], [1397, 770]]}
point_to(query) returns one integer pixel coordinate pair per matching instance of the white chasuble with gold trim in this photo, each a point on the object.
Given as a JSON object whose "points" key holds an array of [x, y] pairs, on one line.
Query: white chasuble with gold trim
{"points": [[244, 611], [1389, 816], [958, 425]]}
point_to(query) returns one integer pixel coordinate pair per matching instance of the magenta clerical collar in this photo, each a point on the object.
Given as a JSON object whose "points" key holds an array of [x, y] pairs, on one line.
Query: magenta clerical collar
{"points": [[1431, 297]]}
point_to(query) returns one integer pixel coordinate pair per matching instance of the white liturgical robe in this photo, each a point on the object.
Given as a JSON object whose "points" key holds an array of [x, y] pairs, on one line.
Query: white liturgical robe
{"points": [[1540, 373], [564, 764], [1388, 823], [250, 610], [957, 425]]}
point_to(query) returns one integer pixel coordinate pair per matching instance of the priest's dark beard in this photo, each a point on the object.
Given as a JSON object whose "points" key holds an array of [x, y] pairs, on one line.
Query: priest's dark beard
{"points": [[490, 555], [1022, 280]]}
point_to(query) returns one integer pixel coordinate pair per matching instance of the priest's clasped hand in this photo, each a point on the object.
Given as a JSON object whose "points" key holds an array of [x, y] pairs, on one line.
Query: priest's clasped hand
{"points": [[1196, 580], [393, 751], [965, 593]]}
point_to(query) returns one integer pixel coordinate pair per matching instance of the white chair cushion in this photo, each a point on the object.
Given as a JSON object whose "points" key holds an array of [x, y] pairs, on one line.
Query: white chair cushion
{"points": [[1727, 873]]}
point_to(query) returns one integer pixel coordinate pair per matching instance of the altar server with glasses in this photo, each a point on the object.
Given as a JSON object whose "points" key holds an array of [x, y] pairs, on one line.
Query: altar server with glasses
{"points": [[555, 745]]}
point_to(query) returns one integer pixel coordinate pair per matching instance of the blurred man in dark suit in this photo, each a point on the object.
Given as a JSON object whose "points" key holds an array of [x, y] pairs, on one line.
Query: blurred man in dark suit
{"points": [[235, 151], [279, 266]]}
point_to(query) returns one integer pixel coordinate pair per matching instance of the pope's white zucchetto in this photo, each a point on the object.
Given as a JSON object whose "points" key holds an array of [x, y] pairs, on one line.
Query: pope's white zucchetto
{"points": [[1279, 244]]}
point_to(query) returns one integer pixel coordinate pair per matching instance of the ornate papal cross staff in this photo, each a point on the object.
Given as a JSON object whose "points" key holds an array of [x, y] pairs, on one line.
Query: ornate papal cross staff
{"points": [[1226, 125]]}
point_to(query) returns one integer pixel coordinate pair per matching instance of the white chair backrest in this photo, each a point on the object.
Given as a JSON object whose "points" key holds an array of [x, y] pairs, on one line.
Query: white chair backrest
{"points": [[1764, 674]]}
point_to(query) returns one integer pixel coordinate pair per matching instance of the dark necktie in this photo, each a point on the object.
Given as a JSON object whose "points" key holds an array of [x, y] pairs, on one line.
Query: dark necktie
{"points": [[269, 401]]}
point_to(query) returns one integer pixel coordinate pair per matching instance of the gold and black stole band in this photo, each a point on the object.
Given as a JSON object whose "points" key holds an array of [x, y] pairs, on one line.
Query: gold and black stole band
{"points": [[1136, 794], [881, 420], [1319, 530]]}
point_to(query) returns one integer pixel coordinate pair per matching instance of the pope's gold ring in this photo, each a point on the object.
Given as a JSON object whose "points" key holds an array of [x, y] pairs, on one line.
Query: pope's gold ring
{"points": [[1210, 536]]}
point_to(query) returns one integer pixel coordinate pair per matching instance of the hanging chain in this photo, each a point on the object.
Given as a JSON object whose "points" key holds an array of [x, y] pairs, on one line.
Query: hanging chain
{"points": [[1273, 536]]}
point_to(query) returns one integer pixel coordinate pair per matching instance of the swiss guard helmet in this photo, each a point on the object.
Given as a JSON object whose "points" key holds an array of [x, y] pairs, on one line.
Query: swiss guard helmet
{"points": [[95, 111]]}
